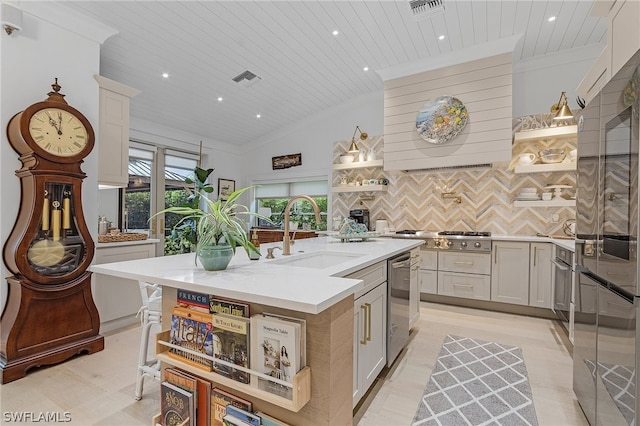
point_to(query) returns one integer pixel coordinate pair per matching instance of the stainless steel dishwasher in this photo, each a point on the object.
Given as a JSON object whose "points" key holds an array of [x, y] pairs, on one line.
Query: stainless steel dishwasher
{"points": [[398, 284]]}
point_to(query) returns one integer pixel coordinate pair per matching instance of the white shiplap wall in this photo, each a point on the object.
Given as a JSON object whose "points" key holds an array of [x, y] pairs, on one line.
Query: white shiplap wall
{"points": [[484, 86]]}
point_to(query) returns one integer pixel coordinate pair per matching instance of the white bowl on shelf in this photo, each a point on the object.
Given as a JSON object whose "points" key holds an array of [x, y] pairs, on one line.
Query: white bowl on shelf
{"points": [[346, 159]]}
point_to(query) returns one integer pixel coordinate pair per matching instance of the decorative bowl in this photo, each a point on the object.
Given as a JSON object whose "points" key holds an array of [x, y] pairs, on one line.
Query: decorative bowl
{"points": [[549, 156], [346, 159]]}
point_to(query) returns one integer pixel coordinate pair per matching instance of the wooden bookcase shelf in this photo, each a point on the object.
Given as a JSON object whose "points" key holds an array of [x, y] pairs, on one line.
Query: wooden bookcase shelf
{"points": [[540, 203], [301, 381]]}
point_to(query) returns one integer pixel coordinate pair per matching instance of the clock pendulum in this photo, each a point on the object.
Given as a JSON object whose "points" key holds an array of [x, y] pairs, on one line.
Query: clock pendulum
{"points": [[50, 315]]}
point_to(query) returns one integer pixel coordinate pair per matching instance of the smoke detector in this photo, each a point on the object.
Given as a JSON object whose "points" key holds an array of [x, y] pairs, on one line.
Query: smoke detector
{"points": [[247, 78], [426, 8]]}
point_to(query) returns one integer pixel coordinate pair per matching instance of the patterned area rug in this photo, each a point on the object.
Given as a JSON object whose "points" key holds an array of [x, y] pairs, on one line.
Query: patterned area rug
{"points": [[619, 380], [477, 383]]}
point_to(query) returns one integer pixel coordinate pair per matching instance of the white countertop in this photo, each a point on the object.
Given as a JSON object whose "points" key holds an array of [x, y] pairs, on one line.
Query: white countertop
{"points": [[309, 290], [127, 243], [567, 244]]}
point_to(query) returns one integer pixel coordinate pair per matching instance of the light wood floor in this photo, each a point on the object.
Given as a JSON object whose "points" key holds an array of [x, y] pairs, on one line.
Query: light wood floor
{"points": [[98, 389]]}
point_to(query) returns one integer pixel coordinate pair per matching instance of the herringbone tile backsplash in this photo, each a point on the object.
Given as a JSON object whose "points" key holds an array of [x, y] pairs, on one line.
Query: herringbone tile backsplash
{"points": [[414, 199]]}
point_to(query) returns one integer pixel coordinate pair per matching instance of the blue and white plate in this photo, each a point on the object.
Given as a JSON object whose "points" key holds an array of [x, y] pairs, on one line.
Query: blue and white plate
{"points": [[441, 119]]}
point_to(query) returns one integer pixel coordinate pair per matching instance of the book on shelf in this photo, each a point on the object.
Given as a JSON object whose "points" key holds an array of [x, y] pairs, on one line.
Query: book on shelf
{"points": [[191, 329], [201, 389], [193, 299], [219, 401], [229, 420], [231, 334], [177, 405], [218, 305], [267, 420], [246, 417], [278, 352]]}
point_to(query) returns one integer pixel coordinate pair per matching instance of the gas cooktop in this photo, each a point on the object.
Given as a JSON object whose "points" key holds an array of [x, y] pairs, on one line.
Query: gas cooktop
{"points": [[453, 240]]}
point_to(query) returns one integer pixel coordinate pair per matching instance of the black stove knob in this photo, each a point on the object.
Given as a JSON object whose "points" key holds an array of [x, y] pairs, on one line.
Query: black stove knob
{"points": [[477, 245], [463, 244]]}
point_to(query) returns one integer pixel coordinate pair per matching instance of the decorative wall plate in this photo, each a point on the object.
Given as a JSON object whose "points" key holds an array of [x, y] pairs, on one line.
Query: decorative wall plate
{"points": [[441, 119]]}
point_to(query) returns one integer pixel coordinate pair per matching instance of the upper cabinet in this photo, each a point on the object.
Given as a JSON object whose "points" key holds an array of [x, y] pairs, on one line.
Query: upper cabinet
{"points": [[623, 33], [113, 132]]}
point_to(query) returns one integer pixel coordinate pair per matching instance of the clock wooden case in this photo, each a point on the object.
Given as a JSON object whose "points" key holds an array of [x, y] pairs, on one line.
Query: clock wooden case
{"points": [[50, 315]]}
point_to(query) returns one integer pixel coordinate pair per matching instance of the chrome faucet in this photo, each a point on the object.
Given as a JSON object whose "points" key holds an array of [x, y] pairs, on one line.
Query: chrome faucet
{"points": [[286, 241]]}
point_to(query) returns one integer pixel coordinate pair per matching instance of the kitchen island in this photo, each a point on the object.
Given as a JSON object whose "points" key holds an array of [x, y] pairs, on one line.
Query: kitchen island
{"points": [[316, 292]]}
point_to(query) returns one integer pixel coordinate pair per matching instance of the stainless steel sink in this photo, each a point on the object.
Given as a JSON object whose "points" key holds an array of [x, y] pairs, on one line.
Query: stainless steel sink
{"points": [[318, 259]]}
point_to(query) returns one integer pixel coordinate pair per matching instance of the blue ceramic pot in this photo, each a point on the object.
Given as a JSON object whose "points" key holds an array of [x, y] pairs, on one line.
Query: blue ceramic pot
{"points": [[215, 258]]}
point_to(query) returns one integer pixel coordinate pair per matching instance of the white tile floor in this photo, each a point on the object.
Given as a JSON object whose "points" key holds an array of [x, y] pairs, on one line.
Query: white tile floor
{"points": [[98, 389]]}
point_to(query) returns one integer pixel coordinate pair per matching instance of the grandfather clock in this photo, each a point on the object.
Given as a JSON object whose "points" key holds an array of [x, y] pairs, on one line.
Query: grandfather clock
{"points": [[50, 315]]}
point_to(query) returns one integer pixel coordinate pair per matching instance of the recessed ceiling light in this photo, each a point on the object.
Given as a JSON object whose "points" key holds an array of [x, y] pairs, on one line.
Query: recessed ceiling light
{"points": [[219, 98], [258, 116], [441, 37], [165, 75], [335, 32], [551, 18], [366, 68]]}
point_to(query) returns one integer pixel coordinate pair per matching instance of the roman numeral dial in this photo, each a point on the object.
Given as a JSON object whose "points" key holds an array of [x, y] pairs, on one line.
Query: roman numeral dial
{"points": [[58, 132]]}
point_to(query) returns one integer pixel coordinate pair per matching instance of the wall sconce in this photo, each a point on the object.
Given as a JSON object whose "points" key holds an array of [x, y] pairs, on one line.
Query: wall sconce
{"points": [[353, 148], [561, 108], [10, 18]]}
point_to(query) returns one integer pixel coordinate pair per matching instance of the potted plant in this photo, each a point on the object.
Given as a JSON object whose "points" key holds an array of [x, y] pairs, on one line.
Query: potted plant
{"points": [[218, 228]]}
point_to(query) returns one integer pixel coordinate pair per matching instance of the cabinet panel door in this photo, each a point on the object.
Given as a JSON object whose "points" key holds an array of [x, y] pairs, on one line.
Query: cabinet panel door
{"points": [[370, 339], [472, 263], [509, 276], [428, 281], [540, 275], [428, 259]]}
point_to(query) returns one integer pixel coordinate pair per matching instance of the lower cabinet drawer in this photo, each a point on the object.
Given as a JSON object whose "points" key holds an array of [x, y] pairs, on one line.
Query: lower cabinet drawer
{"points": [[471, 263], [464, 285]]}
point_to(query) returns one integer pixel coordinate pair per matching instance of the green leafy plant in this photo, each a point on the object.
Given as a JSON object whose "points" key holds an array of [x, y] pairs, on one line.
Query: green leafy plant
{"points": [[218, 223]]}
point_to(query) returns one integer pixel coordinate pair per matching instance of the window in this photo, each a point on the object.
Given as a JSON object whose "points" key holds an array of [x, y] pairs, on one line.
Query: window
{"points": [[272, 198]]}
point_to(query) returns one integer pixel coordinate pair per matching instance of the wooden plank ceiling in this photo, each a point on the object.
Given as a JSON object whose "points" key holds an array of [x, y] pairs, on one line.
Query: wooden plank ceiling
{"points": [[304, 69]]}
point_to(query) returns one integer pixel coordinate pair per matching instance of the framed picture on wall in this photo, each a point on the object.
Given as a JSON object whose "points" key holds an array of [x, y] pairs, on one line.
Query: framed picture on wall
{"points": [[225, 188]]}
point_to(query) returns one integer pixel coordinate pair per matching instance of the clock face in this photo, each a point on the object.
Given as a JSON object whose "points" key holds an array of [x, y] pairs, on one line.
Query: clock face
{"points": [[58, 132]]}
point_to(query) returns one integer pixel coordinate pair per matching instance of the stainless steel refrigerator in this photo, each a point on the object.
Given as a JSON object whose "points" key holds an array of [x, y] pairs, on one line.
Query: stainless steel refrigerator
{"points": [[607, 290]]}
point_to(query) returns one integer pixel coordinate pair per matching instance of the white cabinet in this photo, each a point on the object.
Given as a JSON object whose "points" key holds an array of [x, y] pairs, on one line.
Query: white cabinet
{"points": [[540, 274], [464, 275], [623, 34], [428, 275], [369, 328], [596, 77], [509, 279], [113, 132], [414, 288], [118, 299]]}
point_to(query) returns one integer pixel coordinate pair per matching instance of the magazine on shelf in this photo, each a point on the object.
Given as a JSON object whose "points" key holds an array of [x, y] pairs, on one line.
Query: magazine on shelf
{"points": [[176, 405], [201, 389], [229, 420], [267, 420], [303, 335], [218, 305], [277, 353], [247, 417], [219, 401], [191, 329], [193, 300], [231, 335]]}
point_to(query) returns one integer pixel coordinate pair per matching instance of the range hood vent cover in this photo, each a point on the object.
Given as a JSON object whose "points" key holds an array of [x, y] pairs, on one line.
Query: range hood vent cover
{"points": [[426, 8], [246, 78], [435, 169]]}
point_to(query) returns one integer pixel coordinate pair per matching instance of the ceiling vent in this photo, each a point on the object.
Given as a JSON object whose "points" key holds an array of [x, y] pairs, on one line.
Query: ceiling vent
{"points": [[246, 78], [426, 8]]}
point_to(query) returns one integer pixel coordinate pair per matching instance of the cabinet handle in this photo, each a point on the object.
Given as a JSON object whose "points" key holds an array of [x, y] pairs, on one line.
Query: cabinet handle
{"points": [[495, 256], [364, 325], [463, 263], [535, 255], [463, 285], [368, 321]]}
